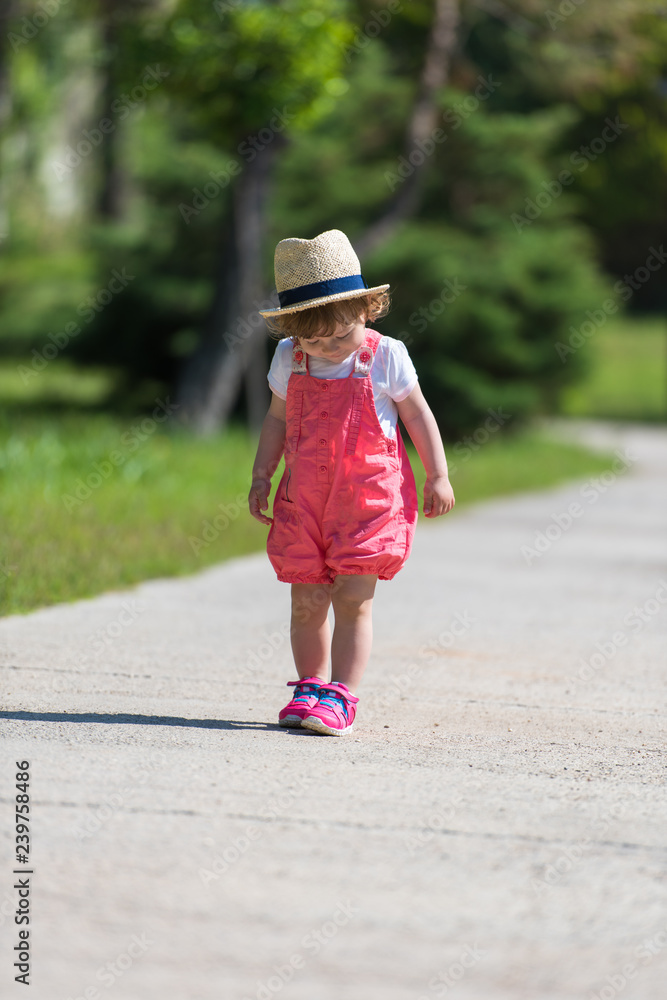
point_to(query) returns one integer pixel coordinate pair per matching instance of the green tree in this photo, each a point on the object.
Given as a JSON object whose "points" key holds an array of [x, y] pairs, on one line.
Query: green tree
{"points": [[191, 191]]}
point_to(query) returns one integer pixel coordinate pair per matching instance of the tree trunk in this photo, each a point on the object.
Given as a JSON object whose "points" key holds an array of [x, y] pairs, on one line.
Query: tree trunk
{"points": [[250, 210], [110, 198], [7, 15], [233, 347], [423, 121]]}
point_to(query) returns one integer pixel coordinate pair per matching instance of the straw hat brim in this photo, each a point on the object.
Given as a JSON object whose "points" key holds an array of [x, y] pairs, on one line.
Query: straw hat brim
{"points": [[310, 303]]}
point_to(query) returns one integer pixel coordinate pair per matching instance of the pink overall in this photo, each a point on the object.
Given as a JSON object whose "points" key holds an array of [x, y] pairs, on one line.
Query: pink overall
{"points": [[347, 502]]}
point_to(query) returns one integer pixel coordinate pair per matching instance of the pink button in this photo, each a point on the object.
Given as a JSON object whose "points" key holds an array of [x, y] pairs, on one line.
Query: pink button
{"points": [[324, 414], [323, 468], [324, 385], [323, 440]]}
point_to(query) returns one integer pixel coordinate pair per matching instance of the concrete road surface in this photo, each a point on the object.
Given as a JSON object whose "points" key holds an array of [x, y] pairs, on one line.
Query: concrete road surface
{"points": [[494, 829]]}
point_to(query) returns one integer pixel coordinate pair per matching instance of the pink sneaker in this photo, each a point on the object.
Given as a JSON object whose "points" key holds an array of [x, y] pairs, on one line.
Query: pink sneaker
{"points": [[334, 713], [303, 700]]}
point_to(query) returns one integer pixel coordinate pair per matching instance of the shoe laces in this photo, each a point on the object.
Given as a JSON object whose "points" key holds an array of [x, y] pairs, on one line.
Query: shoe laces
{"points": [[331, 698], [335, 699], [304, 689]]}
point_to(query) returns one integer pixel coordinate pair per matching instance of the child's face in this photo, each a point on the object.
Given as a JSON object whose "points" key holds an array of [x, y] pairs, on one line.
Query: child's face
{"points": [[345, 339]]}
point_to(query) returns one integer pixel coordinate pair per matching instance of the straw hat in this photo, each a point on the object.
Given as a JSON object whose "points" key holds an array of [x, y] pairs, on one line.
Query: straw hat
{"points": [[314, 272]]}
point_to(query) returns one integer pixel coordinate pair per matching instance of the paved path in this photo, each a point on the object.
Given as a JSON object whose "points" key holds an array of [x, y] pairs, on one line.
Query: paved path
{"points": [[493, 830]]}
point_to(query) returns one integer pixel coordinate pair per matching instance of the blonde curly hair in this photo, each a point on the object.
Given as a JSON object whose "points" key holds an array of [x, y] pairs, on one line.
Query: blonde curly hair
{"points": [[322, 321]]}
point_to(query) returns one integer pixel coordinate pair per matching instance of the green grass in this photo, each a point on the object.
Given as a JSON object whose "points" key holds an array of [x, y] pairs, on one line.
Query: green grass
{"points": [[628, 372], [72, 531], [514, 463], [143, 506]]}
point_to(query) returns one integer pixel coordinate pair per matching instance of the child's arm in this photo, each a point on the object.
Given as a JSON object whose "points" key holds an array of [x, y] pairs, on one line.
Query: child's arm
{"points": [[420, 423], [269, 452]]}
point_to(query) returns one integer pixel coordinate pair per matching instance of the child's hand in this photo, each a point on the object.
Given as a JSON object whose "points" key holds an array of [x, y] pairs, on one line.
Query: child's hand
{"points": [[438, 496], [258, 499]]}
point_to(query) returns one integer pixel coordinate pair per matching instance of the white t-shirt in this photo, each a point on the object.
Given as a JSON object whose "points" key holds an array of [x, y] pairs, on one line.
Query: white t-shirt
{"points": [[393, 375]]}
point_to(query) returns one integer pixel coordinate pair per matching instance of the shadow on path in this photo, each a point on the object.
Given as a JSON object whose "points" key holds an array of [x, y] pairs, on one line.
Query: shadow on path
{"points": [[139, 720]]}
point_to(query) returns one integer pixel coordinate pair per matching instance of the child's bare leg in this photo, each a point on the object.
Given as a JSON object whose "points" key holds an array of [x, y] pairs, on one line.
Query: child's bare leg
{"points": [[310, 632], [352, 599]]}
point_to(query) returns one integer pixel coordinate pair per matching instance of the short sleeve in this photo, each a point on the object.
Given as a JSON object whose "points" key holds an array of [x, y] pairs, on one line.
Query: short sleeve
{"points": [[401, 375], [281, 367]]}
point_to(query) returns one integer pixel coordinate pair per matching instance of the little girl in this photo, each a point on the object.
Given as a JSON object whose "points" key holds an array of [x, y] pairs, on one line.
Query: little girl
{"points": [[345, 510]]}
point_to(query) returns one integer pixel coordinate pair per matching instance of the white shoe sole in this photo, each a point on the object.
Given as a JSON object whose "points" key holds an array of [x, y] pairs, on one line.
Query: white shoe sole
{"points": [[318, 726], [293, 721]]}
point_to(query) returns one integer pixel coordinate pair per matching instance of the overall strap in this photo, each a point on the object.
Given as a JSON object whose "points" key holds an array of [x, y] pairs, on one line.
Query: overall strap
{"points": [[363, 362], [299, 359], [299, 367]]}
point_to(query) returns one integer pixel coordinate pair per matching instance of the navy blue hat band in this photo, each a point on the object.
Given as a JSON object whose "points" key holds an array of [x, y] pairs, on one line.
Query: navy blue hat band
{"points": [[319, 289]]}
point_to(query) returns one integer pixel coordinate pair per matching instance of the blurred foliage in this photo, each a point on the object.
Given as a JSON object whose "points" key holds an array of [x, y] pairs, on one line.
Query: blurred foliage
{"points": [[628, 374], [338, 81]]}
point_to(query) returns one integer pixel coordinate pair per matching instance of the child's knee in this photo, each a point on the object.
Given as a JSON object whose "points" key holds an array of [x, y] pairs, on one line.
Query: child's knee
{"points": [[354, 596], [309, 601]]}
